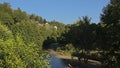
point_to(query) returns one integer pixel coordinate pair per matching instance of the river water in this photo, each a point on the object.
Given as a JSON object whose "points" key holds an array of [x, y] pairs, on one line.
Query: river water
{"points": [[56, 62]]}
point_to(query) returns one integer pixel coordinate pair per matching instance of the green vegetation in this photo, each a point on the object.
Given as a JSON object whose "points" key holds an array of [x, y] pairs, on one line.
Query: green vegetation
{"points": [[21, 40], [96, 41], [14, 53], [24, 38]]}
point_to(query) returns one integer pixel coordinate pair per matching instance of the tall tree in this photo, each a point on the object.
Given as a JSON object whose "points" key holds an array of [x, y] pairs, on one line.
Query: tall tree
{"points": [[111, 17], [111, 13]]}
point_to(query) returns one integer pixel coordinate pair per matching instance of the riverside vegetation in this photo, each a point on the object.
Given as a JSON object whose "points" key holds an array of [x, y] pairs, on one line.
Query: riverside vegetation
{"points": [[24, 38]]}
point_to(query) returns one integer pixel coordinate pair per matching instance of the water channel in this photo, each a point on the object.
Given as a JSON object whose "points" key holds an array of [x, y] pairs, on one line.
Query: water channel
{"points": [[56, 62]]}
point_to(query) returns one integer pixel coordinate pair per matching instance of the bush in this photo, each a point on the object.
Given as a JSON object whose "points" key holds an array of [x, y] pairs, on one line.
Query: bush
{"points": [[14, 53], [68, 49]]}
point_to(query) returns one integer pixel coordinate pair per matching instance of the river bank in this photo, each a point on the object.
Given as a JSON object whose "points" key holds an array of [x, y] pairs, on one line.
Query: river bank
{"points": [[72, 62]]}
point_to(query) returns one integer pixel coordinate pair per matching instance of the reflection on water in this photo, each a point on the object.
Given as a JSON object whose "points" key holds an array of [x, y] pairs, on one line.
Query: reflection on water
{"points": [[56, 62]]}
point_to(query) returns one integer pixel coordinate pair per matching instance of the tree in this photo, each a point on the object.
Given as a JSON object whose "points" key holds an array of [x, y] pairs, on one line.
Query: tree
{"points": [[82, 35], [111, 18], [6, 19], [57, 28], [19, 15], [5, 7], [15, 53], [30, 31], [111, 13], [37, 19]]}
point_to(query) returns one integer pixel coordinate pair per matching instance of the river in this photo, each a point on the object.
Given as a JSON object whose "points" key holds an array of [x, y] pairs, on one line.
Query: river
{"points": [[56, 62]]}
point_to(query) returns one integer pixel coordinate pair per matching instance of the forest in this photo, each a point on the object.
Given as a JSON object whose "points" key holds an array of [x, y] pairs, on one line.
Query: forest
{"points": [[25, 38]]}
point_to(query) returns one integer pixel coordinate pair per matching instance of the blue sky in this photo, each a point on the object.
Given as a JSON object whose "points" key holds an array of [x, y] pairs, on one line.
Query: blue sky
{"points": [[65, 11]]}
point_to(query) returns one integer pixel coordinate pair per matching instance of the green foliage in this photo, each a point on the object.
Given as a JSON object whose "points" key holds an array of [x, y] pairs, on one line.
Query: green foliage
{"points": [[14, 53], [111, 13], [111, 19], [6, 18], [22, 37], [21, 42], [58, 29], [6, 8], [102, 37], [30, 31], [19, 15], [37, 19], [67, 49], [4, 32]]}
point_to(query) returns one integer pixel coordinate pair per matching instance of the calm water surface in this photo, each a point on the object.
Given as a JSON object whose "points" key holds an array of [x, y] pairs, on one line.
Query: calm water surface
{"points": [[56, 62]]}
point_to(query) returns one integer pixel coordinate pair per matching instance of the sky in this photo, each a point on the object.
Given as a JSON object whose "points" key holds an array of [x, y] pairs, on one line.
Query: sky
{"points": [[65, 11]]}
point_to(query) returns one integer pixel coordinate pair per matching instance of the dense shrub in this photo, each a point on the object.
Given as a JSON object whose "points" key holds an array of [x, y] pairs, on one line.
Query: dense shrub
{"points": [[14, 53]]}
